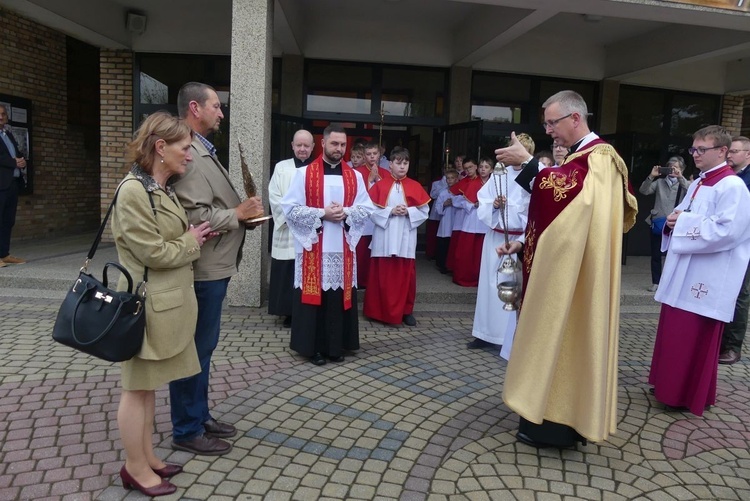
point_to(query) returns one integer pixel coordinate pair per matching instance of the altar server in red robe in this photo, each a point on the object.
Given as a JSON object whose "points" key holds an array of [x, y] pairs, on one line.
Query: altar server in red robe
{"points": [[469, 166], [470, 237], [371, 173], [707, 239], [401, 206]]}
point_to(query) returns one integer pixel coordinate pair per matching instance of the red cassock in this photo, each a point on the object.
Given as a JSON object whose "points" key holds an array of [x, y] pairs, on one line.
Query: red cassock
{"points": [[467, 258], [392, 284], [363, 246], [456, 189]]}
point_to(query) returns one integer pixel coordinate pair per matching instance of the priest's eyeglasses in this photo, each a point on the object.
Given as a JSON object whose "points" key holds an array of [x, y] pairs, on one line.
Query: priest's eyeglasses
{"points": [[700, 150], [550, 124], [733, 152]]}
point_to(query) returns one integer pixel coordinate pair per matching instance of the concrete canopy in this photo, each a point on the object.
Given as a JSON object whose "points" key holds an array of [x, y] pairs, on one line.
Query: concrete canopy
{"points": [[642, 42]]}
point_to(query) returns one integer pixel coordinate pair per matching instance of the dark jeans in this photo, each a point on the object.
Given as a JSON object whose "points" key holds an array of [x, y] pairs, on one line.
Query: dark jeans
{"points": [[734, 332], [189, 396], [656, 255], [8, 205]]}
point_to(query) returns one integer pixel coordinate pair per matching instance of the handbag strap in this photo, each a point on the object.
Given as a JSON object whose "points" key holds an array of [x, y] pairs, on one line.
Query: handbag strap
{"points": [[99, 234]]}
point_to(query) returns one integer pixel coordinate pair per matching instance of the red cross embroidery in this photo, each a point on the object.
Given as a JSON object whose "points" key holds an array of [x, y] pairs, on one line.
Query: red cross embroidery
{"points": [[698, 290]]}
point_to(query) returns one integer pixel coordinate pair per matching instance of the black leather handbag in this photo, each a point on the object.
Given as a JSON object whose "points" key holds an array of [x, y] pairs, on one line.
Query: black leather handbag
{"points": [[98, 320]]}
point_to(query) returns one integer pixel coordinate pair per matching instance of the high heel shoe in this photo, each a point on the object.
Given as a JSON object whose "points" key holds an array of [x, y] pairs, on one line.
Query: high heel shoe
{"points": [[163, 489], [168, 471]]}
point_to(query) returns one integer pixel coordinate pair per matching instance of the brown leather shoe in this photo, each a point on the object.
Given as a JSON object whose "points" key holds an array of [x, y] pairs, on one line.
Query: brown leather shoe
{"points": [[218, 429], [13, 260], [729, 357], [2, 265], [204, 445]]}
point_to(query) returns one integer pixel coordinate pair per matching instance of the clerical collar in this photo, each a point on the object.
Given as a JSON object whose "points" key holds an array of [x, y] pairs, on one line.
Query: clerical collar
{"points": [[300, 163], [331, 170], [742, 170], [583, 141], [710, 172], [575, 146]]}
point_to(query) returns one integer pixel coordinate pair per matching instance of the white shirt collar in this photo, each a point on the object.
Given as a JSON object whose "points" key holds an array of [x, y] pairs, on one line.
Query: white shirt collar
{"points": [[704, 174]]}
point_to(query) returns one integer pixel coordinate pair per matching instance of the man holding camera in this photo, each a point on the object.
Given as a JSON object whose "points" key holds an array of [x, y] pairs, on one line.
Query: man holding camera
{"points": [[669, 186]]}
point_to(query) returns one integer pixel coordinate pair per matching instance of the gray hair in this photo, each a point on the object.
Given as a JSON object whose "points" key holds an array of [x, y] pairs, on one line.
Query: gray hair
{"points": [[677, 161], [570, 102], [191, 91]]}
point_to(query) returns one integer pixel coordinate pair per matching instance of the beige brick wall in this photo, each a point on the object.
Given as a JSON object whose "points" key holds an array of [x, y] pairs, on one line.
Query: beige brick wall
{"points": [[116, 126], [731, 113], [66, 183]]}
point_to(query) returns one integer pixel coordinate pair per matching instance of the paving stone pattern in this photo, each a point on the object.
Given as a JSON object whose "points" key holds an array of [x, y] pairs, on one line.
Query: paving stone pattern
{"points": [[414, 415]]}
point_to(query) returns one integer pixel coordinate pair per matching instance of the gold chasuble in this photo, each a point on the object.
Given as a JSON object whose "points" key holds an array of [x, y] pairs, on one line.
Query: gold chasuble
{"points": [[564, 363]]}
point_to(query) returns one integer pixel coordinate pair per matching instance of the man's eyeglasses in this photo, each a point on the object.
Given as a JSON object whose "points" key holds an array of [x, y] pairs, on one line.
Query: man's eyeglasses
{"points": [[735, 151], [700, 150], [550, 124]]}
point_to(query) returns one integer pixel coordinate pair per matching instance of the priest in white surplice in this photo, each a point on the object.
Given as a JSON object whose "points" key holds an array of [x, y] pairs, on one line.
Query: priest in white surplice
{"points": [[282, 248], [707, 239], [326, 208]]}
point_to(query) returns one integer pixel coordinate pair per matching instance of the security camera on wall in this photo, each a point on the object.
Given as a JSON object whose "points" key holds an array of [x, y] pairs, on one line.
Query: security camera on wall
{"points": [[136, 23]]}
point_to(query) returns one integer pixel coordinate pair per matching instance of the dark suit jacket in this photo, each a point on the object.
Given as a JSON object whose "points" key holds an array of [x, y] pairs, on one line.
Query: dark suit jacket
{"points": [[8, 164]]}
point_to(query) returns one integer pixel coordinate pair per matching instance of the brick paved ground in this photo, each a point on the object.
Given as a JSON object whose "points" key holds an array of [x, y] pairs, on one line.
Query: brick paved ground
{"points": [[414, 415]]}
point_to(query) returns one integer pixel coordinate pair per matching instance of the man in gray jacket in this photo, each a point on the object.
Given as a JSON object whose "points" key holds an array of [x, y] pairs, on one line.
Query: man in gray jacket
{"points": [[207, 195], [670, 189]]}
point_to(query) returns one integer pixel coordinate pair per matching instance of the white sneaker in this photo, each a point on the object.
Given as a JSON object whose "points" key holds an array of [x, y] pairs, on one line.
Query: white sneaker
{"points": [[653, 287]]}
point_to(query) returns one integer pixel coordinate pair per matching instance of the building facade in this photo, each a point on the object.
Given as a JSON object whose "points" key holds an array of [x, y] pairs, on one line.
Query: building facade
{"points": [[441, 77]]}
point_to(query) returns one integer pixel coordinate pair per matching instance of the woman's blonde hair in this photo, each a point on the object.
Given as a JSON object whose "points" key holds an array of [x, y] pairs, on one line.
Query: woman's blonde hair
{"points": [[160, 125]]}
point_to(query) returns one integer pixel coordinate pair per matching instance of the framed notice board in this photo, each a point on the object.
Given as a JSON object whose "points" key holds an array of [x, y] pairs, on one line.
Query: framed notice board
{"points": [[19, 120]]}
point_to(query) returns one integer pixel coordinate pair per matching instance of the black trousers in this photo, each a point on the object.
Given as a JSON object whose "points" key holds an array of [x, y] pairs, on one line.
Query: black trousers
{"points": [[734, 332], [656, 255], [8, 206], [441, 252], [281, 287]]}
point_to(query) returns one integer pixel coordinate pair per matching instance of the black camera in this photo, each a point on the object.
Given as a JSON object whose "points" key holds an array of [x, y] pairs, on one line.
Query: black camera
{"points": [[665, 171]]}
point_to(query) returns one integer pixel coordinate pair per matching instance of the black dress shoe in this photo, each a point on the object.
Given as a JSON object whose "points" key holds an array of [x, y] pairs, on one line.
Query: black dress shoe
{"points": [[204, 445], [218, 429], [338, 359], [318, 359], [729, 357], [522, 437], [410, 320], [477, 343], [288, 321]]}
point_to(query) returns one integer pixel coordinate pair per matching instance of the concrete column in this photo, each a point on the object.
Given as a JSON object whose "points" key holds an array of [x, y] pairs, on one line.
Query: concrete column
{"points": [[609, 97], [460, 95], [292, 78], [250, 102]]}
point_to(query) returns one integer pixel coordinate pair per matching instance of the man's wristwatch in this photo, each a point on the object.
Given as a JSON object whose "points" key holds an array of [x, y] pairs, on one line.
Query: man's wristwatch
{"points": [[524, 164]]}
